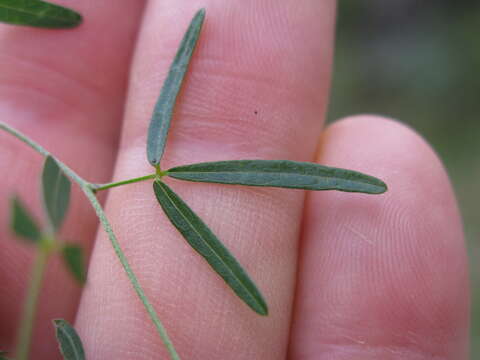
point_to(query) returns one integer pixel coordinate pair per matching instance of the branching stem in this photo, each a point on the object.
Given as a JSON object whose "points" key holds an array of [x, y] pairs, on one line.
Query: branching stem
{"points": [[89, 190]]}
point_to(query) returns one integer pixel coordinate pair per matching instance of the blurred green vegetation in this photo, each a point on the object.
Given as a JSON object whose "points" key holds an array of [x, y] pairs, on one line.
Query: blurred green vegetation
{"points": [[419, 62]]}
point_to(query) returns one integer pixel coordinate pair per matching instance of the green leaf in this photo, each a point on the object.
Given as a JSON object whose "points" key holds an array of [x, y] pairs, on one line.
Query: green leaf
{"points": [[201, 238], [162, 114], [69, 341], [3, 355], [22, 223], [74, 261], [56, 192], [37, 13], [279, 173]]}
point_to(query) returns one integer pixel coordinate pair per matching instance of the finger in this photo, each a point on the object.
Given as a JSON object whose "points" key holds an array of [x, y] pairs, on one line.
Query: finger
{"points": [[257, 88], [65, 89], [382, 277]]}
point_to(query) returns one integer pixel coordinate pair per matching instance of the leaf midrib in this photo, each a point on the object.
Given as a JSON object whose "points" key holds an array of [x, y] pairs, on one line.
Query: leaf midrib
{"points": [[267, 172], [71, 341]]}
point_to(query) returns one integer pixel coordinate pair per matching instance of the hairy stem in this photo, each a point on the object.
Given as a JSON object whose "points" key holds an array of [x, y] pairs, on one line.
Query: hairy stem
{"points": [[133, 279], [28, 317], [69, 172], [100, 187], [88, 190]]}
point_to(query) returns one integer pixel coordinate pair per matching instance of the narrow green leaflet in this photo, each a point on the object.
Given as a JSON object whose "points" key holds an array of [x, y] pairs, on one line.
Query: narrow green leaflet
{"points": [[56, 192], [201, 238], [37, 13], [68, 340], [279, 173], [162, 114], [22, 223], [74, 261]]}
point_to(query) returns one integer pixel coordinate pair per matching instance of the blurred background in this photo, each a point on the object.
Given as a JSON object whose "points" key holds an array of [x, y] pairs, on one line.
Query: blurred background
{"points": [[419, 62]]}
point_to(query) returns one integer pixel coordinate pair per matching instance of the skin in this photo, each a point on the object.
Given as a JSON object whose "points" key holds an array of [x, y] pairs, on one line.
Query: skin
{"points": [[346, 276]]}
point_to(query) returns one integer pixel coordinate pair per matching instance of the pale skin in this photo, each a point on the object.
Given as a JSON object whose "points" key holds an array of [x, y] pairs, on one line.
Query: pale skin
{"points": [[346, 276]]}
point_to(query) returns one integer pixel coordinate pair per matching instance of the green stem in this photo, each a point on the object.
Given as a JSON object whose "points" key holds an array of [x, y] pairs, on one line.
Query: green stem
{"points": [[100, 187], [133, 279], [89, 189], [28, 317], [69, 172]]}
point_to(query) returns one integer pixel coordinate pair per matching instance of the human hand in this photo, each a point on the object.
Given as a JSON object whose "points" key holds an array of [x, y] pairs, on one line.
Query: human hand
{"points": [[346, 276]]}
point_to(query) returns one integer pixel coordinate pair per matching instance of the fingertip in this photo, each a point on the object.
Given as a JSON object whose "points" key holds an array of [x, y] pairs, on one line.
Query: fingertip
{"points": [[382, 275]]}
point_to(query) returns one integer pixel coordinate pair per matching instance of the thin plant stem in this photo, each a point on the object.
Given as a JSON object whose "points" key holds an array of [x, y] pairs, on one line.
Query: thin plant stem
{"points": [[133, 279], [100, 187], [88, 190], [69, 172], [30, 307]]}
